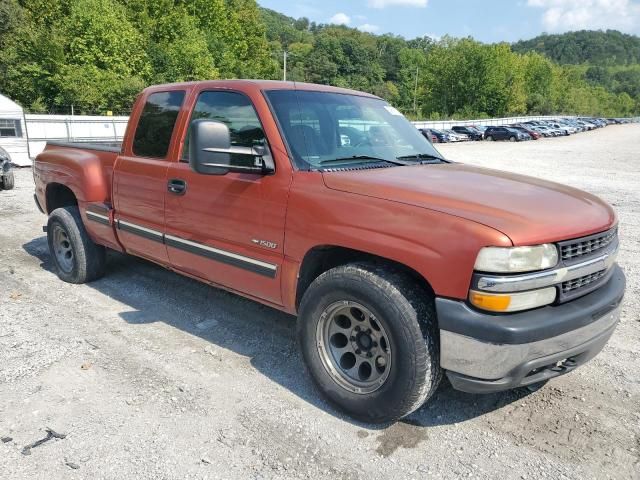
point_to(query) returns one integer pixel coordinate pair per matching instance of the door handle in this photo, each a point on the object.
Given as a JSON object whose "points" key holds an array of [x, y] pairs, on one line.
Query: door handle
{"points": [[177, 186]]}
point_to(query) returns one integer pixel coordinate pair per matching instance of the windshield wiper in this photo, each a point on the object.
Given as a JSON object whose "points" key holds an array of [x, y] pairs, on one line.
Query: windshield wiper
{"points": [[421, 156], [364, 157]]}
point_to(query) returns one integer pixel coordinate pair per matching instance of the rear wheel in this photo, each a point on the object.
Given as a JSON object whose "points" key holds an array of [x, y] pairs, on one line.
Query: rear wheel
{"points": [[490, 138], [8, 181], [512, 138], [76, 257], [370, 341]]}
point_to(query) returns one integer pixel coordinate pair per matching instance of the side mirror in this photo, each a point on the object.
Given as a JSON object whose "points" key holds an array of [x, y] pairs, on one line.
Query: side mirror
{"points": [[211, 152]]}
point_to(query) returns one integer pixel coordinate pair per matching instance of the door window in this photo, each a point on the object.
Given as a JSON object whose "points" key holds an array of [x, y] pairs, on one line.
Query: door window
{"points": [[233, 109], [155, 127]]}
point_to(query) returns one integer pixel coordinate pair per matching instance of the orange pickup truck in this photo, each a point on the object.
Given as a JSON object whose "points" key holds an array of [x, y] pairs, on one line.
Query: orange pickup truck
{"points": [[328, 204]]}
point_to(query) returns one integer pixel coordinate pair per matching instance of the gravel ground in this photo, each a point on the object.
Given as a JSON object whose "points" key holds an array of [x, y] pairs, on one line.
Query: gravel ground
{"points": [[146, 374]]}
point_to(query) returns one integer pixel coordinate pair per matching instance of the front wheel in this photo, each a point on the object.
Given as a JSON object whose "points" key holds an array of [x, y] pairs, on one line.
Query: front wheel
{"points": [[512, 138], [490, 138], [370, 341]]}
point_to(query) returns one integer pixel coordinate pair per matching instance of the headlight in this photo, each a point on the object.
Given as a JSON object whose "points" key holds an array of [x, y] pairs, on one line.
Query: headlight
{"points": [[517, 259], [512, 302]]}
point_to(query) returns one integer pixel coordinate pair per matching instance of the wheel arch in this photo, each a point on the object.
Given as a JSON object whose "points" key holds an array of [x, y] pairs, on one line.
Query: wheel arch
{"points": [[58, 195], [322, 258]]}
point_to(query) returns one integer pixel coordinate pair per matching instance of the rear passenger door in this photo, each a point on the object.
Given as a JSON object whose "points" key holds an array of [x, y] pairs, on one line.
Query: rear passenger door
{"points": [[229, 229], [140, 177]]}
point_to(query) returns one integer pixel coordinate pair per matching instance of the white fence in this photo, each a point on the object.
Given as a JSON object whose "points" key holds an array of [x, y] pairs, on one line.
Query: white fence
{"points": [[64, 128]]}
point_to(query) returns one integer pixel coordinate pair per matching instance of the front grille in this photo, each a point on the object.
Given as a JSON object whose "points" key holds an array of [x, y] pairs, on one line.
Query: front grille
{"points": [[573, 249], [580, 282]]}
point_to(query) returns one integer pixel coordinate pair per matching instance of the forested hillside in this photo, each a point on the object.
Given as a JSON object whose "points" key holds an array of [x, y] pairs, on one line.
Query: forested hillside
{"points": [[585, 46], [97, 54], [609, 59]]}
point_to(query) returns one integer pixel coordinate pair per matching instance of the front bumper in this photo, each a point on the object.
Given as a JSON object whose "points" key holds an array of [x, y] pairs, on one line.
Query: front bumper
{"points": [[484, 353]]}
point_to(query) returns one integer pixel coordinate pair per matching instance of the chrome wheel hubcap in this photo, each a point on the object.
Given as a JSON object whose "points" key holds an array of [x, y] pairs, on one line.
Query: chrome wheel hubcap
{"points": [[354, 347]]}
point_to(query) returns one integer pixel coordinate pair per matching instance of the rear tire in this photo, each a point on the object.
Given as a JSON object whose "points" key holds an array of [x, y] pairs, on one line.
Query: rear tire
{"points": [[8, 181], [76, 257], [490, 138], [512, 138], [370, 341]]}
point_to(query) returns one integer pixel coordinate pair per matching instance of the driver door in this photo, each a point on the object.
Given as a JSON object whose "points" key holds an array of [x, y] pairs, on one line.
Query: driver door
{"points": [[228, 229]]}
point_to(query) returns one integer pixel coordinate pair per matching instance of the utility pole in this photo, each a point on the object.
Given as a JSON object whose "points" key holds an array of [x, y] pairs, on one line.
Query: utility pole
{"points": [[415, 93], [285, 65]]}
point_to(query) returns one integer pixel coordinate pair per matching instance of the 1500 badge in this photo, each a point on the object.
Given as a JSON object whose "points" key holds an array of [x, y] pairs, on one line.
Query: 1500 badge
{"points": [[265, 243]]}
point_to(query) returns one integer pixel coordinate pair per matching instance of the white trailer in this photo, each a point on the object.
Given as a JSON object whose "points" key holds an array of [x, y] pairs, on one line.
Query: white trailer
{"points": [[13, 132]]}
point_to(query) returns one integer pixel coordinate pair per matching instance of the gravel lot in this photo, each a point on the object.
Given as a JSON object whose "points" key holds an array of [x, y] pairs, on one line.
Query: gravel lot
{"points": [[146, 374]]}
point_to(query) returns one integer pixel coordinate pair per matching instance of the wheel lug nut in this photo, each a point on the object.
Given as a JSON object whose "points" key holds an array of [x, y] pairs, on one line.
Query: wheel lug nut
{"points": [[381, 361]]}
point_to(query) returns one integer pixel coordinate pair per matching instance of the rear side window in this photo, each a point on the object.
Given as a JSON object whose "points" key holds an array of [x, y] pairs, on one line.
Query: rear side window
{"points": [[156, 123]]}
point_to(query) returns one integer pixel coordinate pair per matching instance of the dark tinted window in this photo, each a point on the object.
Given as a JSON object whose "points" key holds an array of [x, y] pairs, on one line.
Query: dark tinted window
{"points": [[233, 109], [156, 123]]}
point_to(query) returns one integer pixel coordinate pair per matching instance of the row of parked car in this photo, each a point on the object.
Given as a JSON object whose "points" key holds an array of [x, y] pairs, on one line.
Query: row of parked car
{"points": [[529, 130]]}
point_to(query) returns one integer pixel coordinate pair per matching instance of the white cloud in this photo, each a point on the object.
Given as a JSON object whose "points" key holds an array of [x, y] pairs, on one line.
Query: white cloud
{"points": [[563, 15], [367, 27], [433, 36], [397, 3], [340, 19]]}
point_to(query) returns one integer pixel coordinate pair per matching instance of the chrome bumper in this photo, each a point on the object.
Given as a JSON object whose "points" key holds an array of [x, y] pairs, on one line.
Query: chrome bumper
{"points": [[474, 358], [483, 352]]}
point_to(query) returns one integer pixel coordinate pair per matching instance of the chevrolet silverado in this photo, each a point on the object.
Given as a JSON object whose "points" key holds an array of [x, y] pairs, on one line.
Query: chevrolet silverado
{"points": [[326, 203]]}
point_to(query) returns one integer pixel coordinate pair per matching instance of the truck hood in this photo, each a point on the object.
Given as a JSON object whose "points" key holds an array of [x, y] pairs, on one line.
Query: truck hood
{"points": [[528, 210]]}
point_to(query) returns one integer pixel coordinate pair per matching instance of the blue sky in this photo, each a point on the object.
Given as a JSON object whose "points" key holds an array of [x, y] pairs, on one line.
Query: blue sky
{"points": [[486, 20]]}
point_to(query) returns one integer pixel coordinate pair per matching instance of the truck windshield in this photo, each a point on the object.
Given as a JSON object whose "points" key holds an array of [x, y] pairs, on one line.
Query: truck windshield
{"points": [[329, 128]]}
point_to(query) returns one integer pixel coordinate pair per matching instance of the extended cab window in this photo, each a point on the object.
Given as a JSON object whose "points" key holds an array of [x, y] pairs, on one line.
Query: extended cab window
{"points": [[233, 109], [156, 123]]}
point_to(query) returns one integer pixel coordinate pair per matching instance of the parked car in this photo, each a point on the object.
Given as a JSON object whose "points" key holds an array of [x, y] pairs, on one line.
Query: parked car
{"points": [[586, 125], [532, 134], [471, 132], [574, 127], [429, 135], [441, 137], [7, 181], [456, 137], [565, 129], [503, 133], [544, 130], [400, 265]]}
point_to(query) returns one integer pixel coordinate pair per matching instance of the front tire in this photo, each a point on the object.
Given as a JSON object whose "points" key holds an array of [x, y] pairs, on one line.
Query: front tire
{"points": [[512, 138], [76, 257], [8, 181], [490, 138], [370, 341]]}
